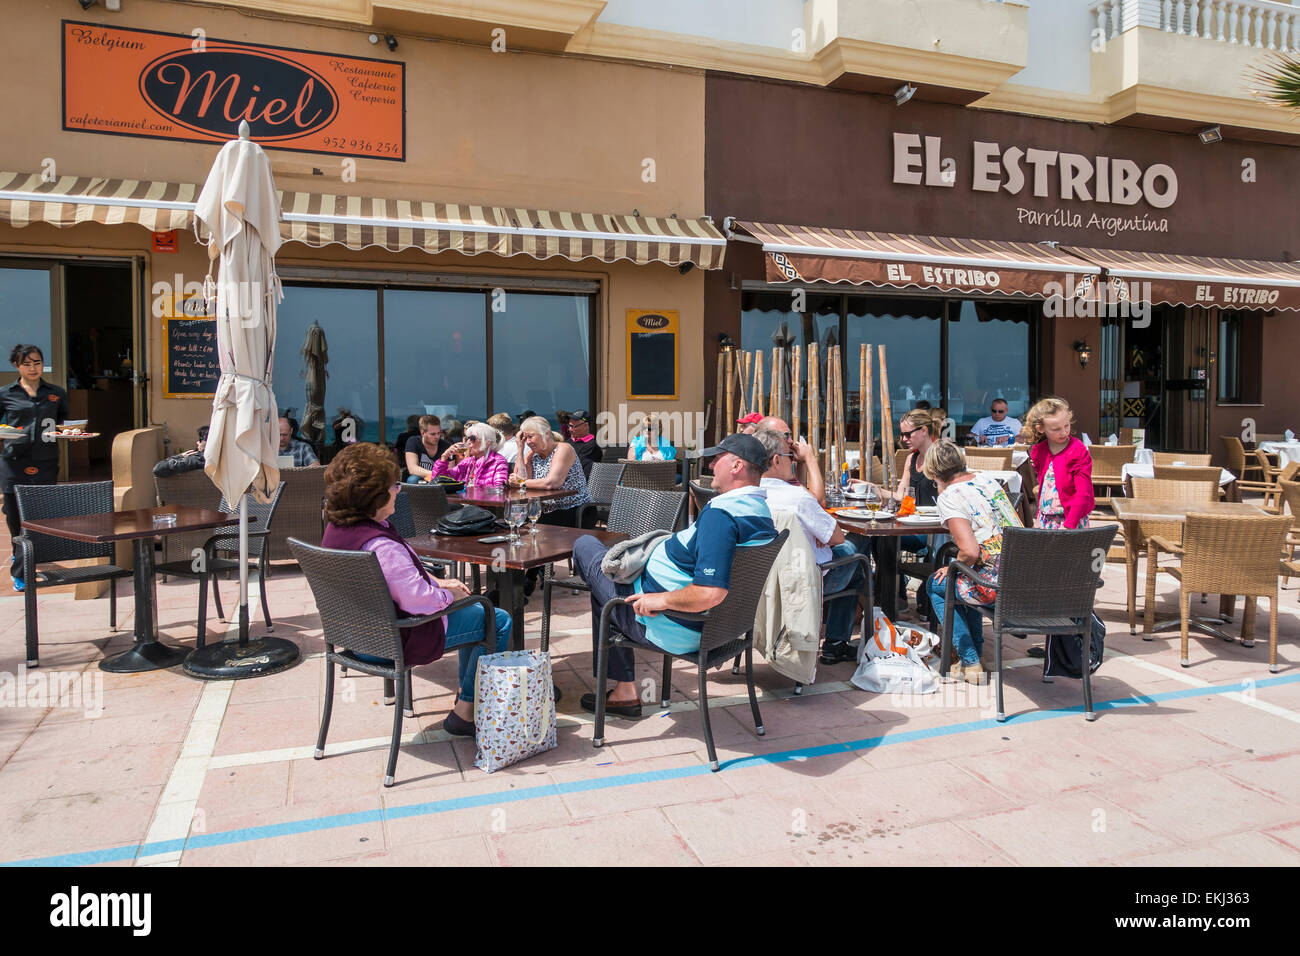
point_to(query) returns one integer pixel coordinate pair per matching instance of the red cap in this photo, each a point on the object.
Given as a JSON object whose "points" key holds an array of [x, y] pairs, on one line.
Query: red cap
{"points": [[753, 418]]}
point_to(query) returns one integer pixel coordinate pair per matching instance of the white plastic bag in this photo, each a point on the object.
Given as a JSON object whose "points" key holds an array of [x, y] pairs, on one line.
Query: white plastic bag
{"points": [[895, 659]]}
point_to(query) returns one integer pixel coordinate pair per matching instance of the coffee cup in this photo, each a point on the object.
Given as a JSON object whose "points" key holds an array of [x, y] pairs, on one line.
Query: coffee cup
{"points": [[858, 488]]}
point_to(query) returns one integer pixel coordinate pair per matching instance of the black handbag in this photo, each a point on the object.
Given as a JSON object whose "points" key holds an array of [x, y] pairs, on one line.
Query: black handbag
{"points": [[1063, 657], [467, 520]]}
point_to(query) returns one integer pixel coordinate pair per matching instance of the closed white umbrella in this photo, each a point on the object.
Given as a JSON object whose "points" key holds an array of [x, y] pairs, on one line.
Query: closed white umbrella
{"points": [[241, 212]]}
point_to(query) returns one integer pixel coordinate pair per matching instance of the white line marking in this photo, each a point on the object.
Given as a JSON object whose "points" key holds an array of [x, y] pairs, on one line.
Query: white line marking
{"points": [[1190, 681]]}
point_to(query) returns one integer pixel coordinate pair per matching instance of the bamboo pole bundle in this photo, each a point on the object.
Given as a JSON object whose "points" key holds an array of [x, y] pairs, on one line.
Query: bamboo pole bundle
{"points": [[814, 404], [868, 407], [795, 358], [740, 383], [778, 370], [717, 407], [886, 422], [864, 449], [729, 356], [758, 382], [837, 411]]}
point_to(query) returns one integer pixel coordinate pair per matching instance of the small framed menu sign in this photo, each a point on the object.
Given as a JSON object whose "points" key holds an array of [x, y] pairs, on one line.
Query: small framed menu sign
{"points": [[190, 360], [652, 370]]}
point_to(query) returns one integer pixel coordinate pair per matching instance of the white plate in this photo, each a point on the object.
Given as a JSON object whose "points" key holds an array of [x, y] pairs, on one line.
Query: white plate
{"points": [[927, 509], [917, 519], [862, 514]]}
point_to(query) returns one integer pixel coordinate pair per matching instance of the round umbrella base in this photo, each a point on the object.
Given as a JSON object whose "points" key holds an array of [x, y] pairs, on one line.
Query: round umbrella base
{"points": [[229, 661], [144, 656]]}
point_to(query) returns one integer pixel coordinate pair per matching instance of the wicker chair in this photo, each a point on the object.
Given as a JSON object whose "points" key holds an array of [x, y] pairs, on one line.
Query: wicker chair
{"points": [[650, 475], [633, 512], [1187, 458], [224, 542], [357, 615], [728, 630], [702, 492], [1224, 554], [602, 481], [1108, 462], [1157, 489], [192, 488], [32, 550], [300, 514], [1290, 491], [900, 461], [1047, 584], [1239, 466], [989, 459], [428, 505], [1196, 473]]}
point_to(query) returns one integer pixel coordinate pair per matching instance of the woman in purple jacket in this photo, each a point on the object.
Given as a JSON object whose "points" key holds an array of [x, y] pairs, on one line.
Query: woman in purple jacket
{"points": [[1063, 464], [361, 488], [475, 460]]}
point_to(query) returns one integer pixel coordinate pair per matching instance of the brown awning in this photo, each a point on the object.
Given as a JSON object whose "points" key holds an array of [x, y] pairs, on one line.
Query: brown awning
{"points": [[1164, 279], [358, 222], [891, 260]]}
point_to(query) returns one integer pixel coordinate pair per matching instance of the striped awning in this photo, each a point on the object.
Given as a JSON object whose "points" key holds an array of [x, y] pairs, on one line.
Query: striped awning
{"points": [[892, 260], [358, 222], [1166, 279]]}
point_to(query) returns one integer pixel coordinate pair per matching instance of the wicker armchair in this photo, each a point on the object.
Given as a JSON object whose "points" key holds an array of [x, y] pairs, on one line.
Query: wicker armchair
{"points": [[261, 515], [428, 505], [900, 461], [1224, 554], [192, 488], [301, 511], [32, 550], [728, 630], [650, 475], [1156, 489], [633, 512], [602, 481], [1239, 466], [989, 459], [1187, 458], [1108, 462], [702, 492], [1047, 584], [358, 617], [1275, 476]]}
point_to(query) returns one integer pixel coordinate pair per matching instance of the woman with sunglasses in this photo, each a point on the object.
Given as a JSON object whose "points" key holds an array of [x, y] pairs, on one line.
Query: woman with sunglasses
{"points": [[919, 429], [35, 406], [361, 489]]}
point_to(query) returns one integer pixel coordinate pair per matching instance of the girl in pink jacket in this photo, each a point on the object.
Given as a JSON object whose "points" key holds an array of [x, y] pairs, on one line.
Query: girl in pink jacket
{"points": [[475, 460], [1063, 464]]}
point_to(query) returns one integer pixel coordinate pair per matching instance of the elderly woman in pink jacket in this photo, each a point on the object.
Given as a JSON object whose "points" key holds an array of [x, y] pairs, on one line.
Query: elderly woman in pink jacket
{"points": [[475, 460]]}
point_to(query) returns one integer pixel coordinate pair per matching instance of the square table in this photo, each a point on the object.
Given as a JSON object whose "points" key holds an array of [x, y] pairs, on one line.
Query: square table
{"points": [[137, 526], [889, 531], [1129, 511], [508, 563]]}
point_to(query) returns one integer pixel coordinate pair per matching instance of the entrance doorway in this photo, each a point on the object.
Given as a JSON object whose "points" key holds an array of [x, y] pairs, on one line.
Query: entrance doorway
{"points": [[1154, 377], [100, 360]]}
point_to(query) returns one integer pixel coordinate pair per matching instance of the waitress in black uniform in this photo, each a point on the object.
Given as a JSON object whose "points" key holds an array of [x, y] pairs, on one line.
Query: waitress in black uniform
{"points": [[35, 406]]}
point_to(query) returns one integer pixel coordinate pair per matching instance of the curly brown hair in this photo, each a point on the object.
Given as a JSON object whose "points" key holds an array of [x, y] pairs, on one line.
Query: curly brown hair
{"points": [[357, 483]]}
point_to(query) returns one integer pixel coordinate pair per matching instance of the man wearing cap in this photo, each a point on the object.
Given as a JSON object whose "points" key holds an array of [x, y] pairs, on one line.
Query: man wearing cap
{"points": [[688, 571], [806, 472], [749, 423], [583, 441]]}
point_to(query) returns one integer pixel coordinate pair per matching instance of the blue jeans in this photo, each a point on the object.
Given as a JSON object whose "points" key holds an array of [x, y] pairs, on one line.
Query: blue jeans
{"points": [[464, 627], [414, 480], [839, 616], [967, 623]]}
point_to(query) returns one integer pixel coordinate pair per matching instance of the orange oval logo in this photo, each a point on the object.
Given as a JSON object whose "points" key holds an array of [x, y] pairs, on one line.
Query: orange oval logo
{"points": [[54, 398], [31, 470]]}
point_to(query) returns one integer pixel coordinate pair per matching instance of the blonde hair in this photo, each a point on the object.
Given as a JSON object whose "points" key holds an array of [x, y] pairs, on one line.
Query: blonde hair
{"points": [[1029, 433], [944, 461], [488, 435], [537, 425], [924, 418]]}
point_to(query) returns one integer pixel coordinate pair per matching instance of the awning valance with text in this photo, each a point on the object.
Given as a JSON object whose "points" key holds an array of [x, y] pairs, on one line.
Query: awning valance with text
{"points": [[1166, 279]]}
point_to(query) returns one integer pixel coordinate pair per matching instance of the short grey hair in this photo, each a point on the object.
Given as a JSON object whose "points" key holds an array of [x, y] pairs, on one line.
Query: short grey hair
{"points": [[537, 425], [486, 434], [773, 443]]}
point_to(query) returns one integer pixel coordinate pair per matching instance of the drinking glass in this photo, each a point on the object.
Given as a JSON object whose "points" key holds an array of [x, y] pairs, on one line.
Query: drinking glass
{"points": [[873, 502], [534, 512], [516, 515]]}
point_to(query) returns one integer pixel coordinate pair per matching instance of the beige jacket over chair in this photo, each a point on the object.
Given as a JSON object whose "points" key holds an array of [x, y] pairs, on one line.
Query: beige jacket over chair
{"points": [[788, 623]]}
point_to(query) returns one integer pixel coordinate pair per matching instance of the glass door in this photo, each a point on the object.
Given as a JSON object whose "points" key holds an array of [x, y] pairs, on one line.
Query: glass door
{"points": [[1187, 351], [29, 315]]}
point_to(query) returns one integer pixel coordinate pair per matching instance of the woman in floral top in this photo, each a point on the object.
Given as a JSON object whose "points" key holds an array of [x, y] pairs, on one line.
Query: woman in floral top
{"points": [[974, 508]]}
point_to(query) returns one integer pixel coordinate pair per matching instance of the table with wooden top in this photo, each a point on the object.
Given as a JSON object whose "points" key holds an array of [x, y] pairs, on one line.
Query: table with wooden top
{"points": [[1130, 511], [506, 563], [495, 498], [889, 530], [138, 527]]}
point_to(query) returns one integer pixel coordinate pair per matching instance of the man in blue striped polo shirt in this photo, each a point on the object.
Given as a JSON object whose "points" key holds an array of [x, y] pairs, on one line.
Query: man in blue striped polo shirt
{"points": [[688, 571]]}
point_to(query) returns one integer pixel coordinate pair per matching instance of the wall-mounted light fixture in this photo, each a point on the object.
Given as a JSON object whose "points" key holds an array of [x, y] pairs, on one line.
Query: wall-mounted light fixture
{"points": [[1211, 134], [904, 93], [1084, 352], [391, 42]]}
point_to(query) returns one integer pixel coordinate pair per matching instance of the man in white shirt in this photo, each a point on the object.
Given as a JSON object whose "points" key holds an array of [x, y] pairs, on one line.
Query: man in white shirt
{"points": [[997, 428], [824, 535]]}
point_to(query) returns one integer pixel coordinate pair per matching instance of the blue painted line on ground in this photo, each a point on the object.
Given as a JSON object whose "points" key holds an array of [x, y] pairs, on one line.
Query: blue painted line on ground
{"points": [[335, 821]]}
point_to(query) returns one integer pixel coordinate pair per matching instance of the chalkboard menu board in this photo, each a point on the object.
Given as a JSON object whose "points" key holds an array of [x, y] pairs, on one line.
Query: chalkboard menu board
{"points": [[652, 353], [190, 360]]}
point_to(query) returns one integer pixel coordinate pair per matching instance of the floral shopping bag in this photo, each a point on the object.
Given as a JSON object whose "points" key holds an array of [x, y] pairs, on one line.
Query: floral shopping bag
{"points": [[514, 708]]}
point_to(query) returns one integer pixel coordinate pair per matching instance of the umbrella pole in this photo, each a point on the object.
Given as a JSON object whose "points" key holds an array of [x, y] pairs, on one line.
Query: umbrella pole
{"points": [[243, 570]]}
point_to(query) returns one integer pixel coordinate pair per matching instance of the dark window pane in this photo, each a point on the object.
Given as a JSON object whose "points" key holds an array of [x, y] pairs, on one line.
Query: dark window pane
{"points": [[348, 318], [541, 354], [988, 358], [435, 349], [909, 330], [25, 312], [764, 314]]}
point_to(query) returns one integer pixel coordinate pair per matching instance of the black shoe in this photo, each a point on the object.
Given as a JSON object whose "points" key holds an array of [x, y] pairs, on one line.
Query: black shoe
{"points": [[1037, 651], [457, 726], [630, 711], [839, 652]]}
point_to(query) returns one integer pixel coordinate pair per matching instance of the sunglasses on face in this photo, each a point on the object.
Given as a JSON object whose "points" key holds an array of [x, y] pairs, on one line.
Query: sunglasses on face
{"points": [[909, 434]]}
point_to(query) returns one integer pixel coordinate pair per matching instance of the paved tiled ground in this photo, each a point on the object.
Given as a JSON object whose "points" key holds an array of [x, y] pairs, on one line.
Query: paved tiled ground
{"points": [[1203, 769]]}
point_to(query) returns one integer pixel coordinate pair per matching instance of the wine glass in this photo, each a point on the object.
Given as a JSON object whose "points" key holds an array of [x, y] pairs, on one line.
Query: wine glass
{"points": [[534, 512], [516, 515], [873, 502]]}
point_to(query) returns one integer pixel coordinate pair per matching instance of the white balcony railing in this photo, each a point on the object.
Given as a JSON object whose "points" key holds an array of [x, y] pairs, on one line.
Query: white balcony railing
{"points": [[1257, 23]]}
